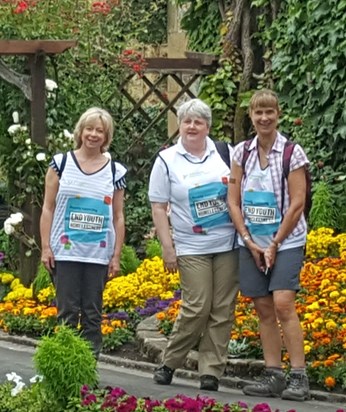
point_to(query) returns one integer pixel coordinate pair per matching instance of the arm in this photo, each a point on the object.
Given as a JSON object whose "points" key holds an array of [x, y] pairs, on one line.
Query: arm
{"points": [[161, 222], [234, 202], [119, 227], [48, 208], [297, 192]]}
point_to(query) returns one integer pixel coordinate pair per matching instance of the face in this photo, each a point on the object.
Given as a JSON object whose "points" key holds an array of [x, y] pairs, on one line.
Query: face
{"points": [[93, 135], [193, 128], [265, 120]]}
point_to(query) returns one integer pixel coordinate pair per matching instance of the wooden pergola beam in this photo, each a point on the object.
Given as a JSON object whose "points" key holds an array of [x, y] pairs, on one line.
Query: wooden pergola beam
{"points": [[25, 47]]}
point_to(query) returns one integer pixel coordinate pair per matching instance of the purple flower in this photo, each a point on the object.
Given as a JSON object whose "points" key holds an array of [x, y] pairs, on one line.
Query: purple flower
{"points": [[261, 407]]}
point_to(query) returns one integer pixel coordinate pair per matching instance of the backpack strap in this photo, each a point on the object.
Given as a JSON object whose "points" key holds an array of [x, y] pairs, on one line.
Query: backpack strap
{"points": [[246, 154], [113, 170], [62, 165], [223, 149], [286, 160]]}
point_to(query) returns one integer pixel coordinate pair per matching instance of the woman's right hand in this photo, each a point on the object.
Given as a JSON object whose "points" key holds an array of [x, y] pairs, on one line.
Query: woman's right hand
{"points": [[258, 255], [170, 262], [47, 258]]}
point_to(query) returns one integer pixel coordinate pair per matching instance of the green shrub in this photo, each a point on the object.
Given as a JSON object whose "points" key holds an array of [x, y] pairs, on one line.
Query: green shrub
{"points": [[42, 279], [323, 212], [153, 248], [129, 261], [66, 363]]}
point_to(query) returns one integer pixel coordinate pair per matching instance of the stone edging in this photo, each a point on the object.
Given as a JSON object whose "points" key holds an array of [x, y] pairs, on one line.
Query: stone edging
{"points": [[152, 344]]}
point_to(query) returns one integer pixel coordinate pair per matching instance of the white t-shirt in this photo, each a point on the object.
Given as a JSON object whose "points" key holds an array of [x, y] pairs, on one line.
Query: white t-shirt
{"points": [[196, 190]]}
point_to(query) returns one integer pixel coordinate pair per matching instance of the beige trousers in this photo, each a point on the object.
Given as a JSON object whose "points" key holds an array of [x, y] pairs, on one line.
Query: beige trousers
{"points": [[209, 285]]}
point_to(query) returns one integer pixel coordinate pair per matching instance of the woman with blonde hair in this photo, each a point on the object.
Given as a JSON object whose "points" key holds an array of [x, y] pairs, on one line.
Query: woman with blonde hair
{"points": [[82, 224]]}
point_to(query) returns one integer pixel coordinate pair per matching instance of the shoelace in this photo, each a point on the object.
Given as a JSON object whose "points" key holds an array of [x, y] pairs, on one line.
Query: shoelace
{"points": [[296, 381]]}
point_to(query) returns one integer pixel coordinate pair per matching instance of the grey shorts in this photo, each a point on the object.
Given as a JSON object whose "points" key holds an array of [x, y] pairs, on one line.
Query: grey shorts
{"points": [[284, 275]]}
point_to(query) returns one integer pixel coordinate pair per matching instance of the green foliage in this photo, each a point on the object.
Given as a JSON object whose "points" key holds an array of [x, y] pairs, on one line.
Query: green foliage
{"points": [[66, 362], [153, 248], [129, 260], [116, 339], [323, 212], [202, 20], [220, 91], [10, 250], [42, 279], [28, 400], [308, 67], [29, 325]]}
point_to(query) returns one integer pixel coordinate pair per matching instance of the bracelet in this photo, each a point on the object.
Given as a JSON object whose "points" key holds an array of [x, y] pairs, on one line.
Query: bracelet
{"points": [[276, 243]]}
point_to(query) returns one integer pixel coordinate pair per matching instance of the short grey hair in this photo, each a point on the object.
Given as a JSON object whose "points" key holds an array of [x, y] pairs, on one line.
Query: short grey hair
{"points": [[195, 107]]}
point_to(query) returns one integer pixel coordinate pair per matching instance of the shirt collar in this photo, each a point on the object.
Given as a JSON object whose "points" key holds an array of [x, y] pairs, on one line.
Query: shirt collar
{"points": [[278, 145], [209, 148]]}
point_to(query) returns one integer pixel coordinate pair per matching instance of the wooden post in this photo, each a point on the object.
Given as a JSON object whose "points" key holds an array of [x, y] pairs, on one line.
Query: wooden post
{"points": [[36, 51]]}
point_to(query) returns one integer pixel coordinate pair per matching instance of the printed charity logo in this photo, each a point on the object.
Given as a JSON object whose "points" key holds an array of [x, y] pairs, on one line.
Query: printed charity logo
{"points": [[260, 214], [86, 221], [210, 207]]}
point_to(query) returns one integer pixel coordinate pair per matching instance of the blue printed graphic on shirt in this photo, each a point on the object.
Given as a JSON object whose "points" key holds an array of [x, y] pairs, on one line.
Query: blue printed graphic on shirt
{"points": [[262, 216], [86, 220], [208, 205]]}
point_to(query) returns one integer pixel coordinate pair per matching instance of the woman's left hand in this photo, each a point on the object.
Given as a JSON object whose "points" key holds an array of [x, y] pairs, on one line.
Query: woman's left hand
{"points": [[270, 255], [114, 267]]}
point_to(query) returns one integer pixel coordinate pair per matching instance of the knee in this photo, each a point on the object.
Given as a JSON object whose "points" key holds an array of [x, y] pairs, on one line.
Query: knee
{"points": [[285, 311]]}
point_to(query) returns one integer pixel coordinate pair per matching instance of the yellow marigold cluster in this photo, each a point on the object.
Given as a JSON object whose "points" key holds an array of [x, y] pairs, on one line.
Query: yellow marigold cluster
{"points": [[6, 278], [132, 290], [18, 292], [323, 243], [46, 295]]}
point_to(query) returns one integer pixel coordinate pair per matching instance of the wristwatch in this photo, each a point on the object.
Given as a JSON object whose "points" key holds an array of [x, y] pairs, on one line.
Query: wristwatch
{"points": [[246, 238]]}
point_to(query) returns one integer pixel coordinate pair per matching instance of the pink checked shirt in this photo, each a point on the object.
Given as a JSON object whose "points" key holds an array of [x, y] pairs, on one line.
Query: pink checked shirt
{"points": [[298, 160]]}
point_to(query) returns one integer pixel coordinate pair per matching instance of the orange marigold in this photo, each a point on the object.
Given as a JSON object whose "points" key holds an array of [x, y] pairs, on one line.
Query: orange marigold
{"points": [[329, 382]]}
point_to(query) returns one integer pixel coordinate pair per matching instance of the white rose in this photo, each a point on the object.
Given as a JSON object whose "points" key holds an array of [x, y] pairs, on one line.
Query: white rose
{"points": [[40, 157], [67, 134], [8, 228], [14, 129], [16, 218], [51, 85], [15, 117], [28, 141], [107, 154]]}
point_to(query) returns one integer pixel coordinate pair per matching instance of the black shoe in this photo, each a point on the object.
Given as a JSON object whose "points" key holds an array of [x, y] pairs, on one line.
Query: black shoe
{"points": [[163, 375], [209, 383]]}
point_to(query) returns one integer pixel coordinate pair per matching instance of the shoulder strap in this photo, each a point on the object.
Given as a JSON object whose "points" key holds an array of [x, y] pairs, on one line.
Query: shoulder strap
{"points": [[113, 170], [286, 160], [223, 149], [62, 165], [246, 154]]}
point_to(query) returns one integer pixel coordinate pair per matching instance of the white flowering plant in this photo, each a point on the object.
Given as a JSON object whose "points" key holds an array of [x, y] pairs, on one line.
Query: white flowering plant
{"points": [[24, 163]]}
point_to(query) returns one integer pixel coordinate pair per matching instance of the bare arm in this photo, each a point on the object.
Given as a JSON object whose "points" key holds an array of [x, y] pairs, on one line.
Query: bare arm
{"points": [[161, 222], [297, 192], [234, 202], [48, 208], [119, 227]]}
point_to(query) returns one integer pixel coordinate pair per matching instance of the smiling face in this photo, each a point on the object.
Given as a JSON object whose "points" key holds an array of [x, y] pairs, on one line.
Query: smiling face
{"points": [[264, 112], [193, 129], [265, 120], [93, 135]]}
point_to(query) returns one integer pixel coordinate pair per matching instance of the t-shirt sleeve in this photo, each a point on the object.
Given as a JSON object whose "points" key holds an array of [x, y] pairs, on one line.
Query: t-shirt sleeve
{"points": [[119, 176], [298, 158], [55, 163], [159, 183], [238, 153]]}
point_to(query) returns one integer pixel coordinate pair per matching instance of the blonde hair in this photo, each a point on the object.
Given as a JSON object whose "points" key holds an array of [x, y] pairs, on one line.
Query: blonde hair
{"points": [[89, 117], [264, 98]]}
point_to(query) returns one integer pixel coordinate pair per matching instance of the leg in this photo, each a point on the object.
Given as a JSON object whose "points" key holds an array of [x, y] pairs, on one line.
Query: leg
{"points": [[67, 281], [214, 341], [196, 286], [94, 280]]}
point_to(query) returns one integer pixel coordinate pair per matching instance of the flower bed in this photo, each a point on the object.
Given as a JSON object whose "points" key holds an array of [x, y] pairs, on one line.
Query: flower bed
{"points": [[127, 299]]}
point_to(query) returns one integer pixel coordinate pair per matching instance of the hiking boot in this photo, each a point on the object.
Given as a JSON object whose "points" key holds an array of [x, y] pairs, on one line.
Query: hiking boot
{"points": [[298, 387], [271, 385], [209, 383], [163, 375]]}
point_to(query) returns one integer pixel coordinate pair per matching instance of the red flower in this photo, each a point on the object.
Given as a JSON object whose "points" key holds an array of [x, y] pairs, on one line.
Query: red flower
{"points": [[21, 7], [100, 7]]}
